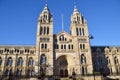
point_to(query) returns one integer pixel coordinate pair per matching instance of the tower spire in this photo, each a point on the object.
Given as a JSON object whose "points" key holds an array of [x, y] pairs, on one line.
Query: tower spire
{"points": [[75, 8]]}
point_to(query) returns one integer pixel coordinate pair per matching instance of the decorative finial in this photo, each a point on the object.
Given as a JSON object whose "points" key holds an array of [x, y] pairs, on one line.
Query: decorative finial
{"points": [[62, 23]]}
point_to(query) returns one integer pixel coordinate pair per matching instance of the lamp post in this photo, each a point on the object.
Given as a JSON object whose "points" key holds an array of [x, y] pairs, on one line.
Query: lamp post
{"points": [[93, 75], [91, 37]]}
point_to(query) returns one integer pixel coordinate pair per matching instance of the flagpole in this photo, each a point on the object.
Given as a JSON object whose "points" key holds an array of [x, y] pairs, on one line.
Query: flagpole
{"points": [[62, 23]]}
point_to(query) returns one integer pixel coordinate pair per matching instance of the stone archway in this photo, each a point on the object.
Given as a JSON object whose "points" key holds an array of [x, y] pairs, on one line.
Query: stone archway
{"points": [[62, 66]]}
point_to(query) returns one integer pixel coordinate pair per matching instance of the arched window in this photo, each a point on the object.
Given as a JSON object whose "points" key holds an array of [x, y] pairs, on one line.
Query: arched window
{"points": [[19, 72], [44, 30], [46, 17], [9, 61], [61, 46], [21, 51], [0, 61], [108, 60], [42, 46], [43, 59], [65, 39], [77, 31], [80, 46], [41, 30], [30, 72], [32, 52], [8, 72], [20, 61], [83, 59], [80, 31], [61, 38], [11, 51], [83, 46], [47, 30], [31, 62], [45, 46], [83, 31], [68, 46], [84, 70], [64, 46], [78, 18], [40, 20], [71, 46], [116, 60], [82, 20]]}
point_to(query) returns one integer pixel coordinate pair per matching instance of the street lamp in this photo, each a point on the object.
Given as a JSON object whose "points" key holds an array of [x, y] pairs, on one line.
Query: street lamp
{"points": [[93, 75], [91, 37]]}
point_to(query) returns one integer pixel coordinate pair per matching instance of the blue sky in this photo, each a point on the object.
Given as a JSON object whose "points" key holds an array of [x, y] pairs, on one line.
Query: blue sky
{"points": [[18, 19]]}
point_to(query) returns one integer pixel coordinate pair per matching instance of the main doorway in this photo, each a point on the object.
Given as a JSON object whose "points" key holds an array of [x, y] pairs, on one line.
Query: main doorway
{"points": [[63, 73], [62, 66]]}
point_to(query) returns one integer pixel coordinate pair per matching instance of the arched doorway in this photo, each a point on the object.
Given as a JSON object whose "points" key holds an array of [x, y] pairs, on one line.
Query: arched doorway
{"points": [[62, 66], [43, 65]]}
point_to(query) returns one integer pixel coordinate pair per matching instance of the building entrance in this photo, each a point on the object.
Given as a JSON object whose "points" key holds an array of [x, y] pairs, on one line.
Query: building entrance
{"points": [[63, 73], [62, 66]]}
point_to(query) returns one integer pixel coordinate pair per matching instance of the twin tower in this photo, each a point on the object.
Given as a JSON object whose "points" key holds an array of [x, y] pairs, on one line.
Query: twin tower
{"points": [[63, 54]]}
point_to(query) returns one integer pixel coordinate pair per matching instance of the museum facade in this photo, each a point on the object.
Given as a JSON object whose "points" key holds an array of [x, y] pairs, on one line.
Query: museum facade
{"points": [[61, 54]]}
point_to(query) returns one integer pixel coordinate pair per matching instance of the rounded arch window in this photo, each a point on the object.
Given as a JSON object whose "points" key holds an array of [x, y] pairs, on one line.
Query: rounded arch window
{"points": [[61, 38], [83, 59], [0, 61], [9, 61], [31, 61], [19, 72], [20, 61], [116, 60], [43, 59]]}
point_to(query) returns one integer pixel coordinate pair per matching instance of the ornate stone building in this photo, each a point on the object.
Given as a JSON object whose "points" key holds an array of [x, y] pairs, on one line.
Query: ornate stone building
{"points": [[61, 54], [65, 54]]}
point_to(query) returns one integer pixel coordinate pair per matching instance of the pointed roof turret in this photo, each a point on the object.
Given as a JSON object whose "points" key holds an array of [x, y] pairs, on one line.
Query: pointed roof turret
{"points": [[46, 9], [45, 16], [77, 17], [75, 10]]}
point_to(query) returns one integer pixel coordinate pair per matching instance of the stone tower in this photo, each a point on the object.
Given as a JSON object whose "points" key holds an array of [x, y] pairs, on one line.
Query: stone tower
{"points": [[79, 31], [44, 42]]}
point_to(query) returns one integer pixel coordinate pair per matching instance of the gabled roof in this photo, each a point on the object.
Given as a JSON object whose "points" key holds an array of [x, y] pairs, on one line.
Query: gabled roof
{"points": [[63, 32]]}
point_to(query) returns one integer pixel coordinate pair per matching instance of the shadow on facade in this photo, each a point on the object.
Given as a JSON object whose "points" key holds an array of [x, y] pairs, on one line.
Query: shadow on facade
{"points": [[102, 63]]}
